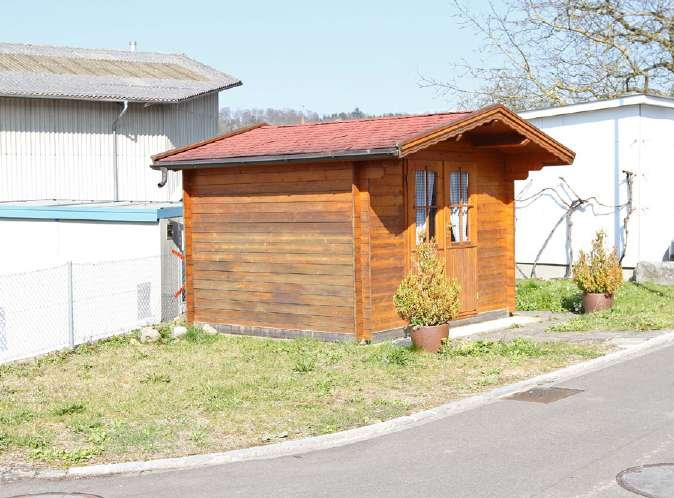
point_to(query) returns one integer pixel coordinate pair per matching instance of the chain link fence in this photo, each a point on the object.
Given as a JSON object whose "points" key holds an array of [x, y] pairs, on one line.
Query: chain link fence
{"points": [[55, 308]]}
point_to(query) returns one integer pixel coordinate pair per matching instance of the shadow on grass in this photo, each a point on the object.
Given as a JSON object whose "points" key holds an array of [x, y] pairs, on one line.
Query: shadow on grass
{"points": [[648, 288]]}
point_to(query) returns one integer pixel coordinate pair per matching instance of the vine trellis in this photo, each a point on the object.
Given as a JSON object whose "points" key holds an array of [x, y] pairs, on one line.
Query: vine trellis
{"points": [[575, 203]]}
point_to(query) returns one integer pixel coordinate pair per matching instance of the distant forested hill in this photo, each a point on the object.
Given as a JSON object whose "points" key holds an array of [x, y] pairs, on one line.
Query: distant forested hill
{"points": [[231, 119]]}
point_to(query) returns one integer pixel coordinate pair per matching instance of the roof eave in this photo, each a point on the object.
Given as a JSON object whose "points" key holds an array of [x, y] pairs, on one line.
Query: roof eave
{"points": [[121, 98], [366, 154], [207, 92], [598, 105], [483, 116]]}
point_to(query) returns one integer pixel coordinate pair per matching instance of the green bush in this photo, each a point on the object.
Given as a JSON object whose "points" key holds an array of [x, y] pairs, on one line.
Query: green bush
{"points": [[305, 365], [555, 295], [397, 356], [426, 297], [70, 408], [599, 272], [518, 347]]}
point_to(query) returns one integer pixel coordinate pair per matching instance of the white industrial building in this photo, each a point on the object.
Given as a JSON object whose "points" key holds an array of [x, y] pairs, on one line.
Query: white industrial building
{"points": [[87, 233], [628, 137], [82, 124]]}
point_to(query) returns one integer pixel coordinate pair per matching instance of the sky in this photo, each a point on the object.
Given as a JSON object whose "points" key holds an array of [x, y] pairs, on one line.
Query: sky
{"points": [[313, 55]]}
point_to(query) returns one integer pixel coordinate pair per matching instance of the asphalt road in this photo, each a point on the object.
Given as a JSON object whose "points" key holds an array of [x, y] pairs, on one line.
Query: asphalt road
{"points": [[573, 447]]}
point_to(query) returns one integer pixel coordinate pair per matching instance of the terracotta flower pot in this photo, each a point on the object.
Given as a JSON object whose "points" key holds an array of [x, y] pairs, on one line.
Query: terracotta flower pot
{"points": [[429, 338], [597, 302]]}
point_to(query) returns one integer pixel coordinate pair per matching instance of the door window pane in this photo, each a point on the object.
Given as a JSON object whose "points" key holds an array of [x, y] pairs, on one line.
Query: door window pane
{"points": [[464, 221], [420, 225], [454, 187], [420, 189], [454, 224], [432, 188], [425, 202], [464, 187], [431, 222], [459, 209]]}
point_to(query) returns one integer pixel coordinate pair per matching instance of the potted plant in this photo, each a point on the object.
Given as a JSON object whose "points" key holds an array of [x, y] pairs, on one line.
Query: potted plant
{"points": [[427, 299], [598, 275]]}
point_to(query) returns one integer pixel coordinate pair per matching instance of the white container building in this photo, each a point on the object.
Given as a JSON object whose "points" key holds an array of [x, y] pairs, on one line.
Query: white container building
{"points": [[613, 140]]}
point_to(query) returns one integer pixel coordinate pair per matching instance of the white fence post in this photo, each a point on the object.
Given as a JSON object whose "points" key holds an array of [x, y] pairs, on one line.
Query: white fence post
{"points": [[71, 313]]}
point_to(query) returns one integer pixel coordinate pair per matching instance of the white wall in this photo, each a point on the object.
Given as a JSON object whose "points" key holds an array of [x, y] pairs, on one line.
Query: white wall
{"points": [[606, 142], [37, 244], [62, 149], [116, 282], [656, 188]]}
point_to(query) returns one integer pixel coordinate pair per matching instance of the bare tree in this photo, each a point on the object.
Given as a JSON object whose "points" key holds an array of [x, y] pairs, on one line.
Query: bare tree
{"points": [[557, 52]]}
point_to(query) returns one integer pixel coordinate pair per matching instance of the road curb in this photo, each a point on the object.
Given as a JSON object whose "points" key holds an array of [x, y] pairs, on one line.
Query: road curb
{"points": [[351, 436]]}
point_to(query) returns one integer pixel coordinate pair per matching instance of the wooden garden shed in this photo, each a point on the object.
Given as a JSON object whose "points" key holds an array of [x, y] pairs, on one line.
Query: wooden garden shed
{"points": [[308, 229]]}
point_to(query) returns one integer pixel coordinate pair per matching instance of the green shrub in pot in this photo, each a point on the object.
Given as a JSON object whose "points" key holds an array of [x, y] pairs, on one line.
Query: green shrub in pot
{"points": [[426, 297], [598, 274]]}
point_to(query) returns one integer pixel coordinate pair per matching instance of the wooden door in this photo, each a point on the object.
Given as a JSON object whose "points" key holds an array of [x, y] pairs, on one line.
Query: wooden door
{"points": [[441, 206], [461, 231]]}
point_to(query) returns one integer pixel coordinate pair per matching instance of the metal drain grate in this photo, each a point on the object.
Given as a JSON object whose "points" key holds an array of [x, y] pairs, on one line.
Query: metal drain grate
{"points": [[544, 394], [653, 481]]}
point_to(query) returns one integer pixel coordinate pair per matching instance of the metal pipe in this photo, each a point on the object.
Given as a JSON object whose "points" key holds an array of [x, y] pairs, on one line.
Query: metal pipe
{"points": [[115, 172], [164, 177]]}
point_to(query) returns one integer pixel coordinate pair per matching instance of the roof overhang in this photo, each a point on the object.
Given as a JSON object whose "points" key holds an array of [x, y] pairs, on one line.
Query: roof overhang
{"points": [[92, 211], [455, 130], [627, 100], [120, 98], [368, 154]]}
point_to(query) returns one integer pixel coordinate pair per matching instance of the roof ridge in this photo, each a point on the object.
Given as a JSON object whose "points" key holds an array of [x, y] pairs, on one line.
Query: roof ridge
{"points": [[98, 49], [371, 118]]}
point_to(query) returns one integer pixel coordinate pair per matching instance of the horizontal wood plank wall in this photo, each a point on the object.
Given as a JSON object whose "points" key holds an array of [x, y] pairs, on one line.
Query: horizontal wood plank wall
{"points": [[361, 235], [494, 234], [509, 264], [187, 214], [272, 246], [387, 240], [495, 222]]}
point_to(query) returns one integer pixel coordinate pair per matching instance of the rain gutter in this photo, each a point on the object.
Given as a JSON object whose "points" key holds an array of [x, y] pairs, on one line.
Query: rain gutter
{"points": [[384, 153]]}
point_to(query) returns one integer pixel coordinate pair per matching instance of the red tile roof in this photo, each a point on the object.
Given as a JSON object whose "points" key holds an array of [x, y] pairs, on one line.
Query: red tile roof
{"points": [[327, 137]]}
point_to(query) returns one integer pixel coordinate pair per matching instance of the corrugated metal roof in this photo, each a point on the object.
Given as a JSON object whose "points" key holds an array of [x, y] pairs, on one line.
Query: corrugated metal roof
{"points": [[96, 74]]}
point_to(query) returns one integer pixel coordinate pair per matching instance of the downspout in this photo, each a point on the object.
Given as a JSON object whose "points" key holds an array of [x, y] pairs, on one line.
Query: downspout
{"points": [[639, 177], [115, 169], [164, 177]]}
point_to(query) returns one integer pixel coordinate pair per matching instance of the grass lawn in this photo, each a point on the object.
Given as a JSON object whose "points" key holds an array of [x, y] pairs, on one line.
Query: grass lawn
{"points": [[120, 400], [637, 306]]}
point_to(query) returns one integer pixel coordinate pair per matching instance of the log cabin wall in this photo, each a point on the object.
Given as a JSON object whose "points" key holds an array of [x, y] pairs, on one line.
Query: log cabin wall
{"points": [[496, 259], [319, 248], [382, 248], [323, 246], [271, 247]]}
